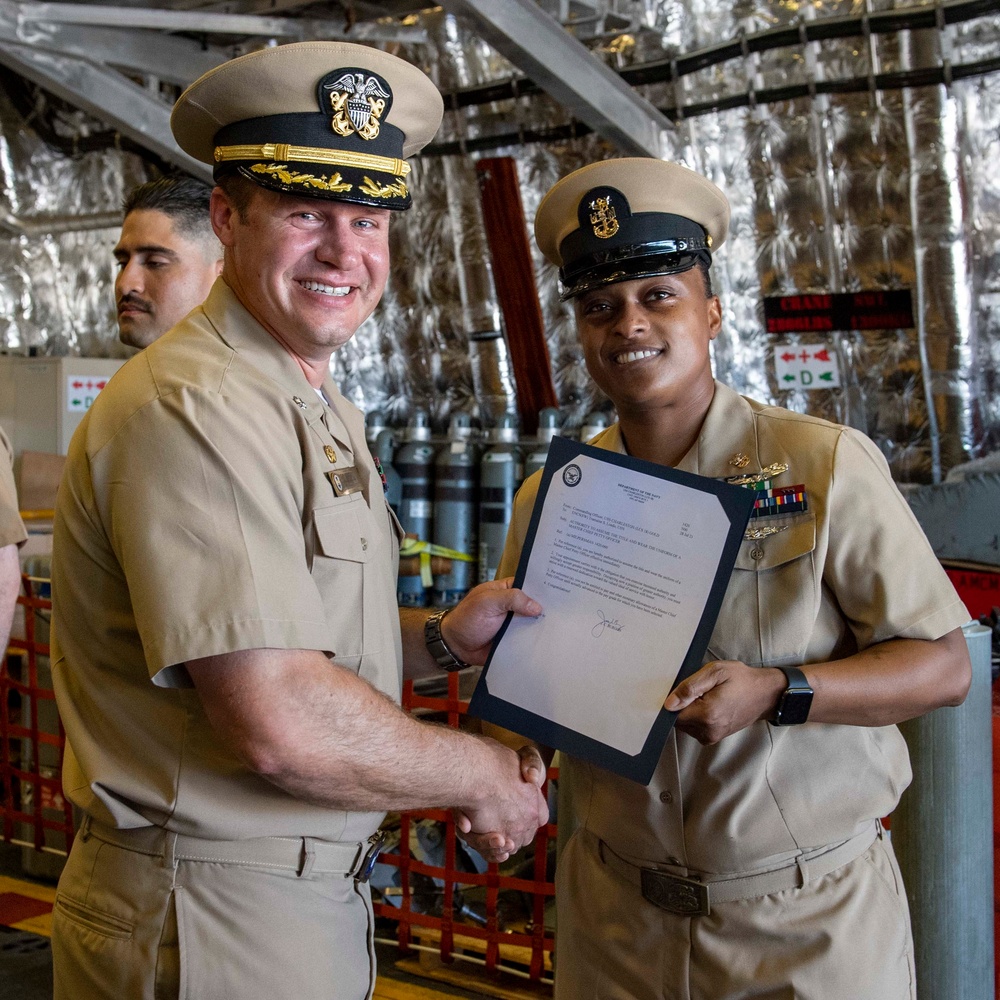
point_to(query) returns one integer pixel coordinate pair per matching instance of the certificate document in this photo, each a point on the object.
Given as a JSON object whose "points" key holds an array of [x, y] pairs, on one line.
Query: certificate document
{"points": [[630, 561]]}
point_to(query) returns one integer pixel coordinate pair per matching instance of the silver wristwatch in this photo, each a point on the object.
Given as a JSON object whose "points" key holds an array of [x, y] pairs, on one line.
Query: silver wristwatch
{"points": [[436, 645]]}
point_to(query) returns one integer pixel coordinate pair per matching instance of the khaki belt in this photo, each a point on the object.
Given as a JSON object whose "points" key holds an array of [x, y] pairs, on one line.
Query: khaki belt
{"points": [[303, 855], [693, 897]]}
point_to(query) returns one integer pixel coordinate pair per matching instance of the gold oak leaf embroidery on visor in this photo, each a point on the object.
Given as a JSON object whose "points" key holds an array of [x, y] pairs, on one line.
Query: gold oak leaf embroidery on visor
{"points": [[396, 189], [281, 171]]}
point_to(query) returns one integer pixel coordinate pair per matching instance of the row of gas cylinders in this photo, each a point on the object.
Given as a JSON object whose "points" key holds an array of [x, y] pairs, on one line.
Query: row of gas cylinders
{"points": [[455, 497]]}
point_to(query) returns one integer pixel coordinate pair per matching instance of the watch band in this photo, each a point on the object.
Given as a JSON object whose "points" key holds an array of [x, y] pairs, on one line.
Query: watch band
{"points": [[795, 701], [436, 645]]}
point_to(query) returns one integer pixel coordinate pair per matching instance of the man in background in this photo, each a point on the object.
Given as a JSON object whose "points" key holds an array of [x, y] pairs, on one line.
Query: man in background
{"points": [[12, 535], [168, 257]]}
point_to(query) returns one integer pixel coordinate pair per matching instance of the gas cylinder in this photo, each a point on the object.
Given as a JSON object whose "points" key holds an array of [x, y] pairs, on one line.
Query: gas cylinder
{"points": [[593, 424], [548, 427], [414, 462], [456, 485], [385, 451], [374, 425], [500, 473]]}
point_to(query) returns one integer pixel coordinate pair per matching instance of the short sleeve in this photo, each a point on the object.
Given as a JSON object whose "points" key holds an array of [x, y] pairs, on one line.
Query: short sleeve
{"points": [[11, 526], [880, 566], [201, 502]]}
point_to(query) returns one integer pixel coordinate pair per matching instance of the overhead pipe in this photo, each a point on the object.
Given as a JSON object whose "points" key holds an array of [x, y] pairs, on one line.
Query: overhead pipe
{"points": [[933, 76], [53, 225], [818, 30], [671, 70]]}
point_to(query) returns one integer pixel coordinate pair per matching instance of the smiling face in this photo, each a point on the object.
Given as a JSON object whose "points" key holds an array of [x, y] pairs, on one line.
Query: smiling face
{"points": [[646, 342], [162, 275], [310, 271]]}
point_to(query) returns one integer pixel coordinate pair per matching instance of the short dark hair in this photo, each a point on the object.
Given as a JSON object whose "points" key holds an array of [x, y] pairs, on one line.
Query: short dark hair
{"points": [[184, 199], [239, 191], [706, 276]]}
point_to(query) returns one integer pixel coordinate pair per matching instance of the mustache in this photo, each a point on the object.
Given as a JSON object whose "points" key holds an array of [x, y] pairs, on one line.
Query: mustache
{"points": [[130, 301]]}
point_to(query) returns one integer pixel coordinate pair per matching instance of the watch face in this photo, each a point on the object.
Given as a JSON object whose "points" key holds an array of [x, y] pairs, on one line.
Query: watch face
{"points": [[793, 709]]}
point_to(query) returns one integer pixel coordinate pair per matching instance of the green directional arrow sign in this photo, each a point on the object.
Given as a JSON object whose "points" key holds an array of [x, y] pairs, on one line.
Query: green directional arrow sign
{"points": [[826, 376], [788, 378]]}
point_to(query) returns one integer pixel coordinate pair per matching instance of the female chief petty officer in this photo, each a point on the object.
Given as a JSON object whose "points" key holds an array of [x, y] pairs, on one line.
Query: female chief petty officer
{"points": [[767, 871]]}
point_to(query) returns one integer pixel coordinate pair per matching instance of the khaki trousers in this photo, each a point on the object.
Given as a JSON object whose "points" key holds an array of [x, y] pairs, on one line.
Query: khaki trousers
{"points": [[129, 926], [844, 936]]}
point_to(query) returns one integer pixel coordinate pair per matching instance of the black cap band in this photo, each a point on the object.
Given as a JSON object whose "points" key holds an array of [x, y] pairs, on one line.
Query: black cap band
{"points": [[611, 244], [294, 153]]}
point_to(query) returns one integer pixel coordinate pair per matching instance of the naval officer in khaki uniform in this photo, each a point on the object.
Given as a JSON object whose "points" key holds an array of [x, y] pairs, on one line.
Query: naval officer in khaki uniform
{"points": [[228, 652], [754, 863], [12, 537]]}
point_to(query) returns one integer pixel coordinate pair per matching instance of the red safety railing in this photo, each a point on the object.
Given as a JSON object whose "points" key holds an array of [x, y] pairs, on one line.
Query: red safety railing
{"points": [[525, 951], [35, 814], [32, 807]]}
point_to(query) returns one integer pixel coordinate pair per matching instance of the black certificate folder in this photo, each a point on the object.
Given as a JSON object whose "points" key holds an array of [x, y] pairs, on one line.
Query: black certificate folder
{"points": [[630, 561]]}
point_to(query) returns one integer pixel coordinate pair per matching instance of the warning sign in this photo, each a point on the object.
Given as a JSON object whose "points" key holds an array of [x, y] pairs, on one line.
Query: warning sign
{"points": [[806, 366], [82, 390]]}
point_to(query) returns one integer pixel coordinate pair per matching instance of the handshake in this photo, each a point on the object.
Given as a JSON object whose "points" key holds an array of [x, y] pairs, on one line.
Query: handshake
{"points": [[509, 815]]}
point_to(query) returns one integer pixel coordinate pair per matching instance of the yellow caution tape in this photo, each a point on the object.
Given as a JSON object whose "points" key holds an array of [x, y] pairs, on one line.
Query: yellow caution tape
{"points": [[415, 547]]}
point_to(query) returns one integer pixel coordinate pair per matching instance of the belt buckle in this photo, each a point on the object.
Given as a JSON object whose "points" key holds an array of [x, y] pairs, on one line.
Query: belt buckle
{"points": [[684, 896], [376, 842]]}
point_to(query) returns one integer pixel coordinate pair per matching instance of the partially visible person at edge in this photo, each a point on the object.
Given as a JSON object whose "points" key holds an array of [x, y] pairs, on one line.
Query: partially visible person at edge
{"points": [[767, 870], [168, 257], [12, 537], [228, 651]]}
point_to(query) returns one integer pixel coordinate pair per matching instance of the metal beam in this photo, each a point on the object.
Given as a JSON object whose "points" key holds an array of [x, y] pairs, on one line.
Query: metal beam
{"points": [[106, 95], [210, 23], [545, 52], [166, 57]]}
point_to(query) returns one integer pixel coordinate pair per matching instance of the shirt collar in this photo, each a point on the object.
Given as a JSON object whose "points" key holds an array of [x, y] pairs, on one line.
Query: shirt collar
{"points": [[238, 329]]}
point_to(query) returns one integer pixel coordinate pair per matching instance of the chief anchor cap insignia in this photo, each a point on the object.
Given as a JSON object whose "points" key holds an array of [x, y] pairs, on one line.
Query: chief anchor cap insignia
{"points": [[603, 218], [330, 454]]}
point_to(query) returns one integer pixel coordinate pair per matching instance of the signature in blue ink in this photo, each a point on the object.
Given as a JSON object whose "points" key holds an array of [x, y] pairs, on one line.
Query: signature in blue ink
{"points": [[610, 623]]}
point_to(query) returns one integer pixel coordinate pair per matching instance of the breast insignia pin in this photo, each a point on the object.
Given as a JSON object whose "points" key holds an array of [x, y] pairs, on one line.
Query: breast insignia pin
{"points": [[739, 460], [755, 533]]}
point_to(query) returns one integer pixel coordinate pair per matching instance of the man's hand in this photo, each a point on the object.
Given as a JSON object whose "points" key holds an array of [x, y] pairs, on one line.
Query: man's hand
{"points": [[470, 626], [724, 697], [496, 846]]}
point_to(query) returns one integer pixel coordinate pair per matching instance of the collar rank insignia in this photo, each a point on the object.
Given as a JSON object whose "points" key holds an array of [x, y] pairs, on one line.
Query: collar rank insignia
{"points": [[358, 102], [603, 218]]}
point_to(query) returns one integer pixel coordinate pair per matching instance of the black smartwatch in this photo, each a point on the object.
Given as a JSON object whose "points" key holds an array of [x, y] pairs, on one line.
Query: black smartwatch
{"points": [[795, 701], [436, 645]]}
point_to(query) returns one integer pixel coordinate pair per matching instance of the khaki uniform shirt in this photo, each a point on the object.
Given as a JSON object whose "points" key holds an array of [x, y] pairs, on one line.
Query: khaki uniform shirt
{"points": [[11, 527], [853, 570], [196, 518]]}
